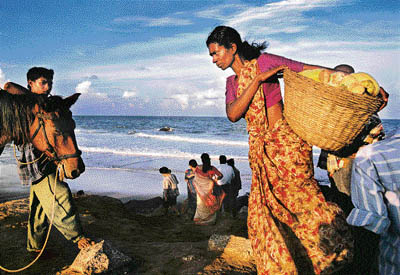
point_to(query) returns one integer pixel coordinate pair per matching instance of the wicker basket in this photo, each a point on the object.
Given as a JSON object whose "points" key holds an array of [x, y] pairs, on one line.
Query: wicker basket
{"points": [[325, 116]]}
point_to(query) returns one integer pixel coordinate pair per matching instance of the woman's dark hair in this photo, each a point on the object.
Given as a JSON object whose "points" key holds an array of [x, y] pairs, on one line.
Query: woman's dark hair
{"points": [[193, 163], [205, 159], [226, 36]]}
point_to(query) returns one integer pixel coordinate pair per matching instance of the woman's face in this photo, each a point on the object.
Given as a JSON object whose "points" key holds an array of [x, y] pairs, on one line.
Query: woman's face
{"points": [[222, 56]]}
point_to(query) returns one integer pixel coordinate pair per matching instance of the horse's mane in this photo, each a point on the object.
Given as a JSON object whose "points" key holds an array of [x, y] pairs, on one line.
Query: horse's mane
{"points": [[16, 115]]}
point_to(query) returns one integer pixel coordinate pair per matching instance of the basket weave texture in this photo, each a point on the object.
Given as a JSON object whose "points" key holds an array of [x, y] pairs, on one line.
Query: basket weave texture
{"points": [[325, 116]]}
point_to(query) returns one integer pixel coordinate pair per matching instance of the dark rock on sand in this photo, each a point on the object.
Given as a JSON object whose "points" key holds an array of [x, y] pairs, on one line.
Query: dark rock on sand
{"points": [[144, 206], [99, 258]]}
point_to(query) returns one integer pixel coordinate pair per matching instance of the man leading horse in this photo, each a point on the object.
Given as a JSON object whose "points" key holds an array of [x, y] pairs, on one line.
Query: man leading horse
{"points": [[40, 172]]}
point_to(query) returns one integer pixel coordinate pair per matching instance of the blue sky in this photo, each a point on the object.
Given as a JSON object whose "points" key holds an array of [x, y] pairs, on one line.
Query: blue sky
{"points": [[149, 57]]}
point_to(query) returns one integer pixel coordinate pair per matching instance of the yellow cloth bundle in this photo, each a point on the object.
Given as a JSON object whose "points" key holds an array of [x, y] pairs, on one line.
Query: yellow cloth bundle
{"points": [[358, 83]]}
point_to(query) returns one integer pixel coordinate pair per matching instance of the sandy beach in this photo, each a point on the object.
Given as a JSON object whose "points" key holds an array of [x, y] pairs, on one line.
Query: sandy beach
{"points": [[158, 244]]}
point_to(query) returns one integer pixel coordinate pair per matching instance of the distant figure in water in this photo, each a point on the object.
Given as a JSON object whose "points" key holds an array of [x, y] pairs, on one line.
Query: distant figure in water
{"points": [[170, 189], [166, 129]]}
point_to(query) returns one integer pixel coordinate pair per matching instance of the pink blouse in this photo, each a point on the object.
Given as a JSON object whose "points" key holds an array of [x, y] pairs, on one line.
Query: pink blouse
{"points": [[272, 90]]}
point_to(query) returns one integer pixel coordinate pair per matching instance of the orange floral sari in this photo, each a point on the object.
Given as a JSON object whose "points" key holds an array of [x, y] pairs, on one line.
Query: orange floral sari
{"points": [[293, 230]]}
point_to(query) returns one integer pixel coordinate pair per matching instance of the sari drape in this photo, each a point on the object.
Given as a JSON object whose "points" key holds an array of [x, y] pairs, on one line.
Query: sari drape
{"points": [[292, 229], [207, 203]]}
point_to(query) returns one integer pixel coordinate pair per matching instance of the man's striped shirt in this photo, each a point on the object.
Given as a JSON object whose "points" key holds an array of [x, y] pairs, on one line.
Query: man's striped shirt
{"points": [[375, 192]]}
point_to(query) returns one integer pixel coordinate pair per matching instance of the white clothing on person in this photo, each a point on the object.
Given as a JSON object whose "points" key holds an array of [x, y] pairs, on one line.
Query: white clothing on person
{"points": [[227, 172]]}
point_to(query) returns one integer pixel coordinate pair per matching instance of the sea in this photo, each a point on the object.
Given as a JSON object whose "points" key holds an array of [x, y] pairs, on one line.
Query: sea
{"points": [[122, 154]]}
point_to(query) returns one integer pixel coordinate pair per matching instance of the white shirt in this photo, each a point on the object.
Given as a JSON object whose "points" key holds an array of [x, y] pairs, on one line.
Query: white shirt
{"points": [[227, 172]]}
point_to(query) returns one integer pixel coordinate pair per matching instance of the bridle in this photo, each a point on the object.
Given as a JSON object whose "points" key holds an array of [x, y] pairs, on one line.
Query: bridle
{"points": [[50, 149]]}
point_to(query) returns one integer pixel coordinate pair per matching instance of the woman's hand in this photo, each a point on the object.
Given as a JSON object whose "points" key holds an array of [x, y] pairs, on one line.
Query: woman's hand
{"points": [[265, 75], [385, 97], [237, 108]]}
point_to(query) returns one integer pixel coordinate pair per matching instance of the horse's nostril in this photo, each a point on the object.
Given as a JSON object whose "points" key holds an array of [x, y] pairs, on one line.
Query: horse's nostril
{"points": [[81, 166], [75, 173]]}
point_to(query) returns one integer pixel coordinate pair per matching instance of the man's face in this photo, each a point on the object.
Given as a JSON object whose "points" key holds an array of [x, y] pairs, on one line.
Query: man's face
{"points": [[41, 85]]}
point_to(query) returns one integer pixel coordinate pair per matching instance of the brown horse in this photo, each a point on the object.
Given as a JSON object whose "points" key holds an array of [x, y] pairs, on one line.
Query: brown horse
{"points": [[47, 123]]}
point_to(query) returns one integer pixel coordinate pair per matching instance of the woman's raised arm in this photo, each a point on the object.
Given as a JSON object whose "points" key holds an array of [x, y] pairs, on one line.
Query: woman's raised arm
{"points": [[237, 108]]}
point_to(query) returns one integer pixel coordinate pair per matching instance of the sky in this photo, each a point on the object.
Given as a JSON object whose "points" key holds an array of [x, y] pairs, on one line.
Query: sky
{"points": [[150, 57]]}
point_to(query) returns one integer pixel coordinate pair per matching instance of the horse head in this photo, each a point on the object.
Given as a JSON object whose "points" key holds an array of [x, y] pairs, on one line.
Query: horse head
{"points": [[52, 132]]}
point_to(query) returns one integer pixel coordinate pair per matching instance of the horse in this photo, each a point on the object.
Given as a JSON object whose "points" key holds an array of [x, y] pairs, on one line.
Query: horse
{"points": [[47, 123]]}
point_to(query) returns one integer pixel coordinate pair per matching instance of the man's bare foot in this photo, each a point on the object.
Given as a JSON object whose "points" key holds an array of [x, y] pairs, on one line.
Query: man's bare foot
{"points": [[85, 242]]}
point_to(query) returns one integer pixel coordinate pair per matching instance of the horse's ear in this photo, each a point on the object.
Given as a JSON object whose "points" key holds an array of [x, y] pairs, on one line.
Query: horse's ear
{"points": [[69, 101]]}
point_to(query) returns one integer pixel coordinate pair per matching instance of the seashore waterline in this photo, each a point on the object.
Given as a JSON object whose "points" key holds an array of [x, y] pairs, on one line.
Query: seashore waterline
{"points": [[122, 154]]}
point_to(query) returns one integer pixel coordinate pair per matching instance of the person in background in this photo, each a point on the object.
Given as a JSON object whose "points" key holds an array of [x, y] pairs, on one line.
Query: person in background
{"points": [[170, 190], [209, 198], [236, 185], [191, 191], [225, 183], [339, 163], [375, 193], [40, 175], [286, 233]]}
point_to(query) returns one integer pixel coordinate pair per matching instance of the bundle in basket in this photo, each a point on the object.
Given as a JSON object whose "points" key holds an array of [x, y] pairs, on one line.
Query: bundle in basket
{"points": [[325, 116]]}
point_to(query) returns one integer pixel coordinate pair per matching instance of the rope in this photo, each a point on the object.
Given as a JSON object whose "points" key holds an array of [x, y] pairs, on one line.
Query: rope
{"points": [[20, 162], [48, 232]]}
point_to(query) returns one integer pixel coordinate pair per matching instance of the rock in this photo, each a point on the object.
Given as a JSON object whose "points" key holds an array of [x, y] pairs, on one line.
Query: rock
{"points": [[218, 242], [98, 258], [144, 206], [188, 258], [236, 251], [166, 129], [243, 210], [242, 201]]}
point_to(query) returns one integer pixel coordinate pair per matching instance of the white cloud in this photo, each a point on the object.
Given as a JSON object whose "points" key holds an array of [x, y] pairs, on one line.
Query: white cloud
{"points": [[220, 12], [178, 43], [182, 99], [153, 22], [83, 87], [100, 95], [128, 94], [181, 66], [2, 78]]}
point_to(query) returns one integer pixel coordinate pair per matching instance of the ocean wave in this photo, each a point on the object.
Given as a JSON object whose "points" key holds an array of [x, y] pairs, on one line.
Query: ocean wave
{"points": [[194, 140], [91, 131], [150, 153]]}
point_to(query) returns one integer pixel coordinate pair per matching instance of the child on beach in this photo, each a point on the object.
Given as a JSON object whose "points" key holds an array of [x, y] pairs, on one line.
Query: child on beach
{"points": [[170, 189]]}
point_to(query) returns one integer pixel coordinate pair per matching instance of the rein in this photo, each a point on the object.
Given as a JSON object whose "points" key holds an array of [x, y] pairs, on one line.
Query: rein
{"points": [[50, 148], [48, 232], [58, 159]]}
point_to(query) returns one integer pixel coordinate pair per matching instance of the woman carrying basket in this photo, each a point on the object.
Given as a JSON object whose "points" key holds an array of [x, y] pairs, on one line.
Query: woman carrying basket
{"points": [[293, 230]]}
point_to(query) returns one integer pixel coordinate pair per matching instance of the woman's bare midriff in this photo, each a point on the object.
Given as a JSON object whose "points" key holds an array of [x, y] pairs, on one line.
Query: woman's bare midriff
{"points": [[274, 114]]}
